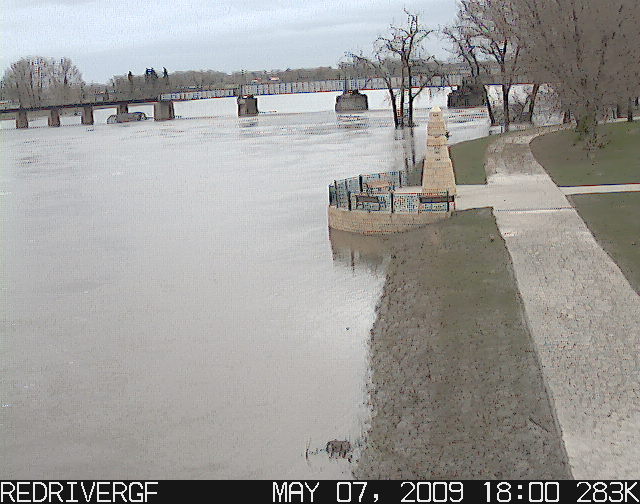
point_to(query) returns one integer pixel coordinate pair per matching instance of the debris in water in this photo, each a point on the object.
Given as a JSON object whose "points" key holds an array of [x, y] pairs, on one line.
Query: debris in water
{"points": [[339, 449]]}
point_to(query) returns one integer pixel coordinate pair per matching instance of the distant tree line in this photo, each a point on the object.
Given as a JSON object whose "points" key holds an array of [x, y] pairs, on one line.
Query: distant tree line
{"points": [[36, 81], [212, 79]]}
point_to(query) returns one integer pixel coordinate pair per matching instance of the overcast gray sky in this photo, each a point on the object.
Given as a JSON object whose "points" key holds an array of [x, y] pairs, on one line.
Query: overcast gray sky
{"points": [[111, 37]]}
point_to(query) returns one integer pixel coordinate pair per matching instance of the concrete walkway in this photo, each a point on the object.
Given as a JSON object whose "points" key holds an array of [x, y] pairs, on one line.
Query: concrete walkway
{"points": [[597, 189], [583, 315]]}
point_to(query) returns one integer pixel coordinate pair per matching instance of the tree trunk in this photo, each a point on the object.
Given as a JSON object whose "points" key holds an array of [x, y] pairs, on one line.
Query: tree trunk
{"points": [[492, 116], [566, 117], [411, 124], [394, 106], [505, 106], [630, 110], [587, 128], [532, 103], [409, 86], [401, 105]]}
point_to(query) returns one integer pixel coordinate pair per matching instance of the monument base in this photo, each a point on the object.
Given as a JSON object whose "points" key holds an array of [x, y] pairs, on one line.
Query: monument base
{"points": [[376, 223]]}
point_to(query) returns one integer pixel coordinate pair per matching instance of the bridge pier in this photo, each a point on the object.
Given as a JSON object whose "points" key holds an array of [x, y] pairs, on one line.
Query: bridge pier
{"points": [[87, 114], [54, 117], [468, 95], [352, 101], [247, 105], [123, 108], [22, 121], [163, 111]]}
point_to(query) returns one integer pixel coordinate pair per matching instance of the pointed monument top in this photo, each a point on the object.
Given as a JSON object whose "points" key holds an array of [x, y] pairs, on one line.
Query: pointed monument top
{"points": [[436, 115]]}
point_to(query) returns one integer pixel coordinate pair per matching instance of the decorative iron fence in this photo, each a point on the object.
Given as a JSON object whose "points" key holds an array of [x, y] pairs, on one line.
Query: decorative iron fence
{"points": [[375, 193], [340, 190], [440, 201]]}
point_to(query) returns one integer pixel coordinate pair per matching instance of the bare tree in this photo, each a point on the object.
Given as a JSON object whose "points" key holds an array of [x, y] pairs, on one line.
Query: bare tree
{"points": [[417, 69], [65, 81], [464, 48], [37, 81], [401, 52], [485, 24], [386, 69], [586, 49], [25, 81]]}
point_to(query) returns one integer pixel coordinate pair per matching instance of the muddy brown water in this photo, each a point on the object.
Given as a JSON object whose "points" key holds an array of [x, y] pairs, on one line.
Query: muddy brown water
{"points": [[171, 303]]}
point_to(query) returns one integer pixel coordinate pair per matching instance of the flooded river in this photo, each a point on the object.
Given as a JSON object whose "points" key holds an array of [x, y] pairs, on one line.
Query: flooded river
{"points": [[171, 303]]}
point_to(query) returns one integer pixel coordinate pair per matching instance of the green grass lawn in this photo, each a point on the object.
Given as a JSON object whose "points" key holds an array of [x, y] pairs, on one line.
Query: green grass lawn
{"points": [[469, 159], [614, 220], [568, 163]]}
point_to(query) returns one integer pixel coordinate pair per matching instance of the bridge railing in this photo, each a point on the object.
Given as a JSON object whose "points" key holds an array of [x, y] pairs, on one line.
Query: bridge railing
{"points": [[271, 88]]}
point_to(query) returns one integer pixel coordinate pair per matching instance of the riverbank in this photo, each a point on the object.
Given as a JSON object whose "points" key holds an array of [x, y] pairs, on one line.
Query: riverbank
{"points": [[456, 387]]}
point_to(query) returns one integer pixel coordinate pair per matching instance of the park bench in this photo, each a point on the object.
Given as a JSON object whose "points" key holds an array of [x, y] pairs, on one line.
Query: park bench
{"points": [[362, 199], [381, 184]]}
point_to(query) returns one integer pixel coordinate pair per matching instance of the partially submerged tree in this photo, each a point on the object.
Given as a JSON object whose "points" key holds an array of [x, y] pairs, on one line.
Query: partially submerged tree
{"points": [[402, 53], [465, 49], [386, 69], [405, 44], [483, 23]]}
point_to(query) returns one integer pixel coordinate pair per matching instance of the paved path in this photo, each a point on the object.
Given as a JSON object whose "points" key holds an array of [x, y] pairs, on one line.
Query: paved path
{"points": [[583, 315], [596, 189]]}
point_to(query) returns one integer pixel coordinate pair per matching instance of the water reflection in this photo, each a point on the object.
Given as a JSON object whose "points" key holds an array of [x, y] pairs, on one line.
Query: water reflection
{"points": [[359, 251], [353, 121], [412, 163], [247, 123]]}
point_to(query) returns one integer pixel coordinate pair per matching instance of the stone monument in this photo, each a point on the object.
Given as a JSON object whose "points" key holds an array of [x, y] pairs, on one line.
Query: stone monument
{"points": [[437, 174]]}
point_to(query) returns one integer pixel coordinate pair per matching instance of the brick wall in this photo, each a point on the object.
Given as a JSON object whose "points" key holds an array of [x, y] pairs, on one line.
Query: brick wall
{"points": [[379, 222]]}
